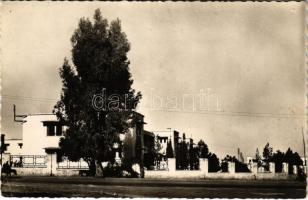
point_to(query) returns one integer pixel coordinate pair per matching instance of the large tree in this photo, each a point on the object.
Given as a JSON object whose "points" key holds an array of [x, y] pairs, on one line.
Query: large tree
{"points": [[97, 98]]}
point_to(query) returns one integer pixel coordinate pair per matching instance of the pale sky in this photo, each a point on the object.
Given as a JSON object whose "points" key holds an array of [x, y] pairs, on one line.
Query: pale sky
{"points": [[250, 55]]}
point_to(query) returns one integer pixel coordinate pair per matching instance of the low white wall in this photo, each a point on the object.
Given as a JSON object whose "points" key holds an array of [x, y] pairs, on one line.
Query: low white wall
{"points": [[196, 174], [159, 174], [67, 172], [174, 174], [204, 174], [45, 172], [32, 171], [220, 175]]}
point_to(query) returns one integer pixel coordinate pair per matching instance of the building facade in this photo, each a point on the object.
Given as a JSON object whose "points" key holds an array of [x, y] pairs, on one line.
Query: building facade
{"points": [[37, 151]]}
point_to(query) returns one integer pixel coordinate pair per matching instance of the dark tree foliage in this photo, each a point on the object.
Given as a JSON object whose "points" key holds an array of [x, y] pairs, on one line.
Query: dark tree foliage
{"points": [[203, 149], [182, 155], [224, 166], [267, 152], [258, 158], [149, 156], [184, 161], [203, 152], [239, 166], [278, 159], [149, 160], [267, 155], [214, 165], [292, 159], [99, 56], [169, 150], [193, 156], [195, 159]]}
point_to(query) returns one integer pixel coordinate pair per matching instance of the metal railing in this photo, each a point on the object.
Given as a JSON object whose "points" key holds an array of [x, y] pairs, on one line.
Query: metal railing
{"points": [[67, 164], [29, 161]]}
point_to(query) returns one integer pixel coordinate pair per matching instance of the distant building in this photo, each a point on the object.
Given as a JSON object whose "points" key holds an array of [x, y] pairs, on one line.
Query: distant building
{"points": [[164, 137], [249, 160]]}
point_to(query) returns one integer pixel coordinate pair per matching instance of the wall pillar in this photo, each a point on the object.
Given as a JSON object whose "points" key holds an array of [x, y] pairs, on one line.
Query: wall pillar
{"points": [[6, 157], [118, 159], [231, 167], [272, 167], [254, 168], [285, 168], [52, 163], [171, 164], [295, 169], [204, 165]]}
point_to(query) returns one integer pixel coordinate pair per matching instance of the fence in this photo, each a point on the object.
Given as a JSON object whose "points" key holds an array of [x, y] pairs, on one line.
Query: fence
{"points": [[29, 161], [203, 173], [67, 164]]}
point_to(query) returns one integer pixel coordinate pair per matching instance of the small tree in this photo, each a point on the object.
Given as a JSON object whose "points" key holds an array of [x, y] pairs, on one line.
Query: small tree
{"points": [[157, 149], [258, 158], [267, 155], [203, 149], [183, 156], [213, 161], [169, 151], [239, 166], [267, 152]]}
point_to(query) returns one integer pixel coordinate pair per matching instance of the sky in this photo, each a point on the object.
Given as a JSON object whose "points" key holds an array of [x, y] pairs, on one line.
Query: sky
{"points": [[230, 73]]}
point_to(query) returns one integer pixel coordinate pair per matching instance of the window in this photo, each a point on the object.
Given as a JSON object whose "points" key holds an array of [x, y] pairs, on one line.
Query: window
{"points": [[54, 128], [50, 130]]}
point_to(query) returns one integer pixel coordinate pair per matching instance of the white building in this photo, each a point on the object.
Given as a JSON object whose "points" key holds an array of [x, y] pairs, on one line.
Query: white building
{"points": [[41, 132], [37, 151], [14, 146]]}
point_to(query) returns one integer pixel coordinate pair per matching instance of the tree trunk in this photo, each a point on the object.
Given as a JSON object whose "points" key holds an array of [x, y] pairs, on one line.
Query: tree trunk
{"points": [[98, 169], [92, 168]]}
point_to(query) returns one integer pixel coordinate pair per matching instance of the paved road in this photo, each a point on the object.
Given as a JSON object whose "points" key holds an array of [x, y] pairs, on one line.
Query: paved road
{"points": [[121, 187]]}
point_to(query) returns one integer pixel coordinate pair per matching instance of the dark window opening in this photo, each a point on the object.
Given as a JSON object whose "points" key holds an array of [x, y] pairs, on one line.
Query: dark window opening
{"points": [[50, 130]]}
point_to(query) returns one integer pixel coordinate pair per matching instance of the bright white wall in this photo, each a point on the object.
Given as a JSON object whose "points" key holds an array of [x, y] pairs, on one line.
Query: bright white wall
{"points": [[35, 137], [13, 147]]}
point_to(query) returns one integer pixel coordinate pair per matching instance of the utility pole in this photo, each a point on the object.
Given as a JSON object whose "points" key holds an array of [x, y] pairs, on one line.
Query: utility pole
{"points": [[2, 146], [18, 118], [305, 158]]}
